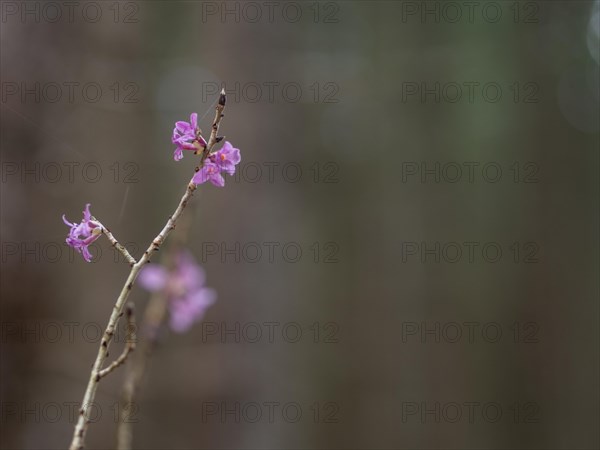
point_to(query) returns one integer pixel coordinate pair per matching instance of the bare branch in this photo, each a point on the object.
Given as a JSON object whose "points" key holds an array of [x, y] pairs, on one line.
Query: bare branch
{"points": [[129, 347], [213, 139], [130, 259]]}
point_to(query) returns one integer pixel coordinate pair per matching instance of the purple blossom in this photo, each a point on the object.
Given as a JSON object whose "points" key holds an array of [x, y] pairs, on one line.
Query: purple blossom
{"points": [[186, 136], [227, 158], [223, 160], [209, 172], [82, 235], [184, 286]]}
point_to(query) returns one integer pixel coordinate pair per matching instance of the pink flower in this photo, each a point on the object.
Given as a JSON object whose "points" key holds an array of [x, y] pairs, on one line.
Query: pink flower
{"points": [[184, 286], [223, 160], [227, 158], [209, 172], [186, 136], [82, 235]]}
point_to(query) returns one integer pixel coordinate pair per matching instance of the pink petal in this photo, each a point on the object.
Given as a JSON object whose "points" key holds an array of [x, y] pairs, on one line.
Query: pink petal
{"points": [[182, 126], [200, 177], [67, 222], [86, 212], [217, 179], [234, 156], [192, 275], [153, 277], [179, 322], [202, 299]]}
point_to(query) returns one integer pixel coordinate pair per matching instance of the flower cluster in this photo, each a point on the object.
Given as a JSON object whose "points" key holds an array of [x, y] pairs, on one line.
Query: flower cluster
{"points": [[187, 136], [222, 161], [82, 235], [184, 287]]}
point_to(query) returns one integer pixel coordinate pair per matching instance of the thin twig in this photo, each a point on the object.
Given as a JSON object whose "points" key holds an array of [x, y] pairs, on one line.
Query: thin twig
{"points": [[130, 259], [129, 347], [213, 139]]}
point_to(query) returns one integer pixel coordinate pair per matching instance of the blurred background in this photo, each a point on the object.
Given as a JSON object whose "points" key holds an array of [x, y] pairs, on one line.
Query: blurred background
{"points": [[407, 256]]}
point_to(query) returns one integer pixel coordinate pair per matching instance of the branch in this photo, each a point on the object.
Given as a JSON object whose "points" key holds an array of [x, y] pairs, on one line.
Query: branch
{"points": [[213, 139], [92, 386], [131, 339], [130, 259]]}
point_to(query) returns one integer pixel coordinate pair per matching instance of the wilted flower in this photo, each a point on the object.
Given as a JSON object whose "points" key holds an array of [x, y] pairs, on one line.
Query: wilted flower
{"points": [[223, 160], [82, 235], [184, 287], [186, 136]]}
